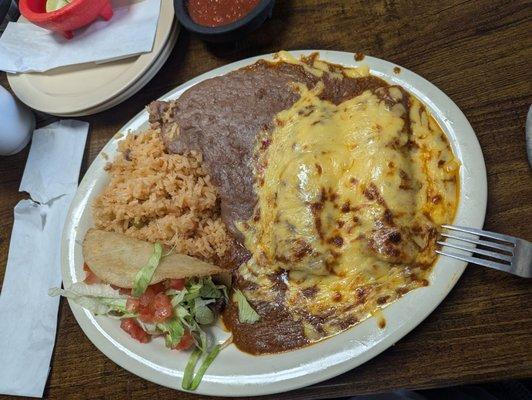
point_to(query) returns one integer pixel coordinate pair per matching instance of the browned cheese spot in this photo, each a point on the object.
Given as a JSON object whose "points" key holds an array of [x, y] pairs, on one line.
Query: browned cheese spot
{"points": [[372, 193], [361, 293], [303, 249], [265, 144], [337, 241], [401, 291], [388, 216], [436, 199], [316, 209], [346, 207], [336, 297], [310, 292]]}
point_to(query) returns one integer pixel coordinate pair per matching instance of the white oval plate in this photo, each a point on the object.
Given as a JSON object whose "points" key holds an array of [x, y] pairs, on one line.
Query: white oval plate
{"points": [[235, 373]]}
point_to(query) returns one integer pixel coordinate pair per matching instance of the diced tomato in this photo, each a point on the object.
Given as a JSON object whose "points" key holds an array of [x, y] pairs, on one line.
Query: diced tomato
{"points": [[132, 304], [147, 297], [149, 294], [90, 277], [162, 308], [186, 342], [158, 287], [145, 315], [135, 330], [154, 307], [177, 284]]}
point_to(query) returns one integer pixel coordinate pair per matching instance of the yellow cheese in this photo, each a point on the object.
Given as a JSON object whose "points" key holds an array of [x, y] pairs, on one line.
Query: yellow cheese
{"points": [[350, 199]]}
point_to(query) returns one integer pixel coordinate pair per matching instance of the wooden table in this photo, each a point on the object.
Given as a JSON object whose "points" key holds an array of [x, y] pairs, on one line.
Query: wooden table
{"points": [[475, 51]]}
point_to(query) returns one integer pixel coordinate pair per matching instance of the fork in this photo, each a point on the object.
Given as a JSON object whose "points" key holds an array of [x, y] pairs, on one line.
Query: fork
{"points": [[515, 254]]}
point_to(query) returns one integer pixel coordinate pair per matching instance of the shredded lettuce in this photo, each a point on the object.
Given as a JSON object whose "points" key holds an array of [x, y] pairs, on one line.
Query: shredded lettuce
{"points": [[82, 289], [209, 290], [181, 312], [202, 313], [177, 296], [205, 288], [191, 311], [174, 331], [193, 290], [200, 339], [190, 383], [117, 308], [191, 303], [246, 313], [149, 328], [189, 369], [204, 366], [145, 275], [100, 299]]}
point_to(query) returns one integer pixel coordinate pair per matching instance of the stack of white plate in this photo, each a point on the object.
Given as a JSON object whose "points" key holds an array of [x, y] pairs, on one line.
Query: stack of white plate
{"points": [[90, 88]]}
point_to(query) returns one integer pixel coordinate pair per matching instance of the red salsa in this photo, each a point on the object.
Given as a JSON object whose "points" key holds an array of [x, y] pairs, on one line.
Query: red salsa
{"points": [[219, 12]]}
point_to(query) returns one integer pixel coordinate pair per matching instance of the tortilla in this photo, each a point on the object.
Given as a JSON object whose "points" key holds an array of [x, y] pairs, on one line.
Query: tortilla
{"points": [[116, 259]]}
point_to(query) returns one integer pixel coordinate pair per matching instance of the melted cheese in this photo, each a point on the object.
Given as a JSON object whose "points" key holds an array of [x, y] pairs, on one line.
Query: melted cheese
{"points": [[318, 67], [350, 198]]}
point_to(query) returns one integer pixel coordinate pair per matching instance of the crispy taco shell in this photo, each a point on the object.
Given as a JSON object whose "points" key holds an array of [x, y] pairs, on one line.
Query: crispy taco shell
{"points": [[116, 259]]}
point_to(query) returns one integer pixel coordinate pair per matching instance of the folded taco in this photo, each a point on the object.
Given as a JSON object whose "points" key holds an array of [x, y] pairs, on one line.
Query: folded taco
{"points": [[117, 259], [151, 290]]}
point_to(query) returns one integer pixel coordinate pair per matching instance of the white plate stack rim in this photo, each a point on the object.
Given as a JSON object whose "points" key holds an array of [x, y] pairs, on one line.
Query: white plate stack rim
{"points": [[86, 89]]}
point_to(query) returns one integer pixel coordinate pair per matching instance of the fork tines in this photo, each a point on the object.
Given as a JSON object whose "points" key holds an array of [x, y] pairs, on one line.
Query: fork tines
{"points": [[502, 252]]}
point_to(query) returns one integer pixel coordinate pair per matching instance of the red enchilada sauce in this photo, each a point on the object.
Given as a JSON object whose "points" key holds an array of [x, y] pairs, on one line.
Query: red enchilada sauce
{"points": [[219, 12]]}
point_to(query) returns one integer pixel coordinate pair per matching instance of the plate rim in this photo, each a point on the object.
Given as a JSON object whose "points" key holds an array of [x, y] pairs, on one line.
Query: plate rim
{"points": [[128, 92], [126, 358], [53, 105]]}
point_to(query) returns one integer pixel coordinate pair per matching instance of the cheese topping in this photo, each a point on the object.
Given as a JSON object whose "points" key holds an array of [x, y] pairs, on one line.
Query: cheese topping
{"points": [[350, 198]]}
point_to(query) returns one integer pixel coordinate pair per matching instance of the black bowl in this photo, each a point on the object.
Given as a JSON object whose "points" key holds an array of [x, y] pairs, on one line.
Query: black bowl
{"points": [[225, 33]]}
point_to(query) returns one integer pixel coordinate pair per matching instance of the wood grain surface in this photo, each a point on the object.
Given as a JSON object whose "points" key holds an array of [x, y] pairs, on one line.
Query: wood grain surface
{"points": [[479, 53]]}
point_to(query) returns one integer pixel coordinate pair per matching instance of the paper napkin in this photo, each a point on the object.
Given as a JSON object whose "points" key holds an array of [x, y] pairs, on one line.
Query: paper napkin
{"points": [[28, 316], [26, 47]]}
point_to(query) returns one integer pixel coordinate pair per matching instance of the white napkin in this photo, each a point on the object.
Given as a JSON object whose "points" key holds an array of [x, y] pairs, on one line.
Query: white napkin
{"points": [[28, 48], [28, 316], [48, 173]]}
